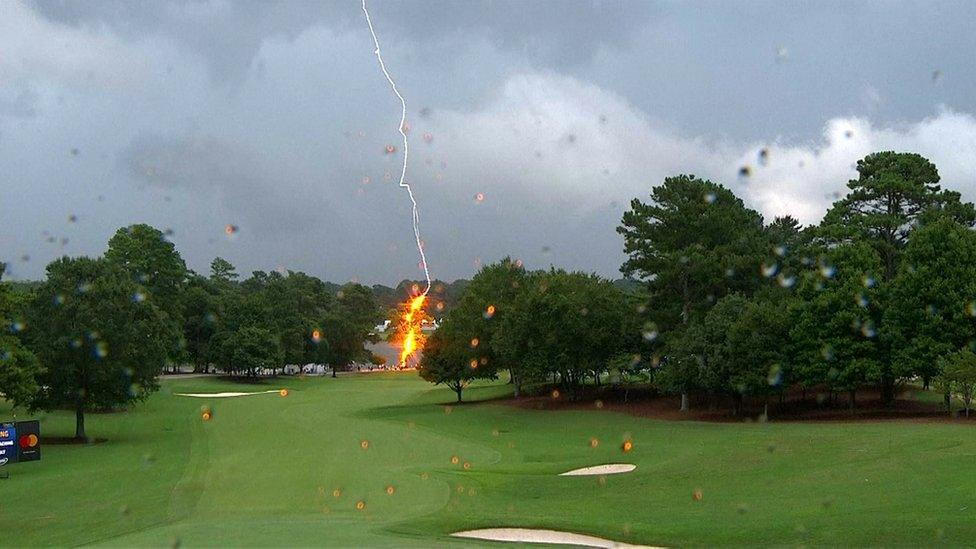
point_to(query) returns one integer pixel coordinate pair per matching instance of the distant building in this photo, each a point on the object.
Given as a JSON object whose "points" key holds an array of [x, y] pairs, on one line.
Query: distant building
{"points": [[380, 328]]}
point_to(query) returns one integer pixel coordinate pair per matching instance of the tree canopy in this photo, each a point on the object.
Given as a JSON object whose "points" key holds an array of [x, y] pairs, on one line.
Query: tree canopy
{"points": [[101, 343]]}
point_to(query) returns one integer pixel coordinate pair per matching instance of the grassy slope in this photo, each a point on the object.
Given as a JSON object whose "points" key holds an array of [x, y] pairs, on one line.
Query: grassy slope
{"points": [[264, 470]]}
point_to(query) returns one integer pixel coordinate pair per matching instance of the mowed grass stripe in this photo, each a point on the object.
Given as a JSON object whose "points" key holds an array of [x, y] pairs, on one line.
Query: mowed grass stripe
{"points": [[263, 472]]}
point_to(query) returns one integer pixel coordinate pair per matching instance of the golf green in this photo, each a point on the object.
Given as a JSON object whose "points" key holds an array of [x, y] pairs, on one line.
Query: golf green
{"points": [[385, 459]]}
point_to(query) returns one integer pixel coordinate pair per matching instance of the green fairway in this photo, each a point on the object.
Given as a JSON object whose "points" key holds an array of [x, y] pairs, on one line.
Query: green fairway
{"points": [[268, 470]]}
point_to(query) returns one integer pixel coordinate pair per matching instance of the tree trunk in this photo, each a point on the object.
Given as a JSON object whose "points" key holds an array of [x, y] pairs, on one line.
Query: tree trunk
{"points": [[685, 301], [853, 391], [684, 401], [333, 371], [518, 384], [925, 383], [80, 422], [948, 402], [458, 390], [887, 390]]}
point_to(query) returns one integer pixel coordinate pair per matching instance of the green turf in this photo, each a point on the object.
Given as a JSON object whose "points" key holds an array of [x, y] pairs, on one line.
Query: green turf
{"points": [[263, 471]]}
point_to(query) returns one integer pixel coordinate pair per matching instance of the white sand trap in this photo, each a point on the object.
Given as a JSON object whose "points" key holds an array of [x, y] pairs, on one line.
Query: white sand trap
{"points": [[224, 395], [532, 535], [608, 469]]}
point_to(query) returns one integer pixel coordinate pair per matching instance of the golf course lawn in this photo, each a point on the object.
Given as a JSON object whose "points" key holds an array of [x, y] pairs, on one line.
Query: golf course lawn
{"points": [[272, 470]]}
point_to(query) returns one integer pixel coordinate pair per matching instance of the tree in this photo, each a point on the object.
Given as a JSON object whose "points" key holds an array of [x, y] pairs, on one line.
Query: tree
{"points": [[788, 247], [249, 351], [152, 261], [357, 303], [222, 271], [834, 338], [755, 348], [685, 357], [18, 372], [102, 345], [18, 366], [959, 375], [292, 306], [931, 307], [344, 340], [482, 309], [569, 325], [200, 305], [693, 243], [347, 328], [450, 359], [892, 193]]}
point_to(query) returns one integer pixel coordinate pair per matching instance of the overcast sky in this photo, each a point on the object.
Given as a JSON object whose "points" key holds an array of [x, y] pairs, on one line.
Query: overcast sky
{"points": [[274, 118]]}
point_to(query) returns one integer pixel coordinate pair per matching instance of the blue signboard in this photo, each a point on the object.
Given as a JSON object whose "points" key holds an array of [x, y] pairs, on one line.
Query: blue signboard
{"points": [[8, 443]]}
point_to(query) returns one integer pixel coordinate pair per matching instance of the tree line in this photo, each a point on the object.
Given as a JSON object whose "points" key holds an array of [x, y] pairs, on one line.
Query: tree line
{"points": [[97, 332], [724, 304]]}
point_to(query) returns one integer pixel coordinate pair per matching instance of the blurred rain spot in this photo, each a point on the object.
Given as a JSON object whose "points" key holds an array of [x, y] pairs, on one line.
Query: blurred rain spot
{"points": [[649, 332]]}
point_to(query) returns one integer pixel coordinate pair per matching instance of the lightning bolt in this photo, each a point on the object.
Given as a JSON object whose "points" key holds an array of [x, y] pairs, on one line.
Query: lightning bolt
{"points": [[406, 148]]}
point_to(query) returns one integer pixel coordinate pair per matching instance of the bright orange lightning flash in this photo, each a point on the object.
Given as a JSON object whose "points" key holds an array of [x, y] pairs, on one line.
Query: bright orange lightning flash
{"points": [[412, 322]]}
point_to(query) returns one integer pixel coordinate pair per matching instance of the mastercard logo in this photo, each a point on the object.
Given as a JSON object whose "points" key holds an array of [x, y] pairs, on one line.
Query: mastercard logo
{"points": [[28, 441]]}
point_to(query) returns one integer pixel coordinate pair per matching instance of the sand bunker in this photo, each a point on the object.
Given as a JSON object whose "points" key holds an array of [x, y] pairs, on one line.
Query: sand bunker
{"points": [[608, 469], [224, 395], [532, 535]]}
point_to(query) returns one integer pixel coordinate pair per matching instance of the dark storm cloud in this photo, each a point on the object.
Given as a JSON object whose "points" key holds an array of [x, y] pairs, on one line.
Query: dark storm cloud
{"points": [[274, 117], [229, 34]]}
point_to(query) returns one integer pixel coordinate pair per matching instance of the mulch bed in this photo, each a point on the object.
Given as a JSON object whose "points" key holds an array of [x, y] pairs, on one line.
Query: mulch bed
{"points": [[71, 440], [817, 406]]}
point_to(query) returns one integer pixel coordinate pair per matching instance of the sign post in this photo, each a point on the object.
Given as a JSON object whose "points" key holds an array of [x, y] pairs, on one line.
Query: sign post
{"points": [[19, 441]]}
